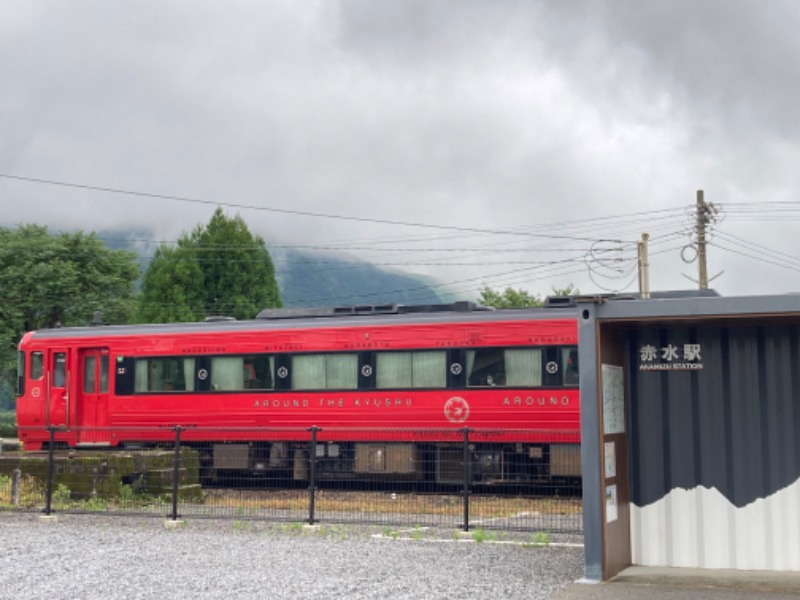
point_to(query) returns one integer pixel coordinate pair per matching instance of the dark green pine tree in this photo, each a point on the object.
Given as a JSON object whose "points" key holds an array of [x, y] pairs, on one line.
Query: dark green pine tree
{"points": [[218, 269], [238, 273], [172, 287]]}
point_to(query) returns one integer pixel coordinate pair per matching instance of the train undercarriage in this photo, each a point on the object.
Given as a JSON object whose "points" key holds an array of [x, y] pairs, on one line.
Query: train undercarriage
{"points": [[422, 465]]}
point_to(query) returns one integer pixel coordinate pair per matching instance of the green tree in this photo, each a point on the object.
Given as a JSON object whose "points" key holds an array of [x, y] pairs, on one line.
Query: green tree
{"points": [[218, 269], [47, 280], [570, 290], [511, 298], [172, 287]]}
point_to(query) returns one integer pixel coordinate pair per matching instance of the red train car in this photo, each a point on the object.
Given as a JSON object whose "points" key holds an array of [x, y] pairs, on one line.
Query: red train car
{"points": [[388, 389]]}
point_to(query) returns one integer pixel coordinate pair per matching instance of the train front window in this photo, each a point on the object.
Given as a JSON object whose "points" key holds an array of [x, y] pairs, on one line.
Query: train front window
{"points": [[20, 373], [232, 373], [325, 371], [164, 374], [88, 375], [104, 369], [421, 369], [60, 370], [503, 367], [37, 365]]}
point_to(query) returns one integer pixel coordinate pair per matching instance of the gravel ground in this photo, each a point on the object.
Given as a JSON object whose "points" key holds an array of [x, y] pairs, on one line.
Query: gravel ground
{"points": [[95, 556]]}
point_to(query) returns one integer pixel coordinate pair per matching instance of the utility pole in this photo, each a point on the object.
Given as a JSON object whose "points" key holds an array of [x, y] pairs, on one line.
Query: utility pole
{"points": [[644, 267], [705, 214], [702, 267]]}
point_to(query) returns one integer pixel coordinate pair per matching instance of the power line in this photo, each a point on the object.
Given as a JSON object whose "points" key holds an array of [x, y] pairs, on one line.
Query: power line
{"points": [[283, 210]]}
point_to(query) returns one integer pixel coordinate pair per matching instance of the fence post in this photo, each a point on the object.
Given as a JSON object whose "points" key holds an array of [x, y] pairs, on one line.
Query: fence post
{"points": [[16, 480], [312, 477], [467, 464], [49, 483], [176, 465]]}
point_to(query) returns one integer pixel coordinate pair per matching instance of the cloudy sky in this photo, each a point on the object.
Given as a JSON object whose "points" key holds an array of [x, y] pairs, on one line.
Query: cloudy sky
{"points": [[523, 144]]}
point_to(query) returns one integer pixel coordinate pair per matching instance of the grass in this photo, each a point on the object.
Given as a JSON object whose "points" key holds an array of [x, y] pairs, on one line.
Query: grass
{"points": [[31, 491], [382, 502], [31, 494], [481, 535], [538, 540], [293, 528]]}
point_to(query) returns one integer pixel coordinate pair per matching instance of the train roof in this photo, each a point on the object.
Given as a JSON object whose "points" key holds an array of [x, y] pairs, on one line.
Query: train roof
{"points": [[555, 307], [323, 318]]}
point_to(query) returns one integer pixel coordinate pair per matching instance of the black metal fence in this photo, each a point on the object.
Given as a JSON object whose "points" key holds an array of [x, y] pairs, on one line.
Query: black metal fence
{"points": [[461, 478]]}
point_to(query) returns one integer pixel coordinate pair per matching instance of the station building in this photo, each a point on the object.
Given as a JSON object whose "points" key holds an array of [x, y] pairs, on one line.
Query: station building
{"points": [[690, 410]]}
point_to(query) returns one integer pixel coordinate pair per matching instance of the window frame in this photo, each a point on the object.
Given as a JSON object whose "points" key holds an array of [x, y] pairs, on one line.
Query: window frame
{"points": [[413, 354], [326, 364]]}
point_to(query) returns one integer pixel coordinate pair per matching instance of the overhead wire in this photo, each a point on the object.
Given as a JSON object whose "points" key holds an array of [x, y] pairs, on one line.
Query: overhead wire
{"points": [[664, 225], [303, 213]]}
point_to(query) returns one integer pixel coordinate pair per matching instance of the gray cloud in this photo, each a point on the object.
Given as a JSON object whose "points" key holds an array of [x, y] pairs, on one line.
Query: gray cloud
{"points": [[493, 116]]}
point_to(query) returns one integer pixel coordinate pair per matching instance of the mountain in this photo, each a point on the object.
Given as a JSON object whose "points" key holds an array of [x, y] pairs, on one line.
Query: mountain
{"points": [[325, 279], [315, 279]]}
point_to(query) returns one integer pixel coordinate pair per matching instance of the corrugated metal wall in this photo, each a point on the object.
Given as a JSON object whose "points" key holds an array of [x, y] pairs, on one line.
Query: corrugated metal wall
{"points": [[715, 451]]}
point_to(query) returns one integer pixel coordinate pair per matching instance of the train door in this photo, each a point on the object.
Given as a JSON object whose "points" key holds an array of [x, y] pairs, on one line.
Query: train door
{"points": [[58, 388], [91, 406]]}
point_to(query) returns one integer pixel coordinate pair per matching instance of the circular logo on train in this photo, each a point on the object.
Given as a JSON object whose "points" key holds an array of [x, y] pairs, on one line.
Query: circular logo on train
{"points": [[283, 372], [455, 368], [202, 374], [456, 410], [551, 367], [366, 370], [36, 392]]}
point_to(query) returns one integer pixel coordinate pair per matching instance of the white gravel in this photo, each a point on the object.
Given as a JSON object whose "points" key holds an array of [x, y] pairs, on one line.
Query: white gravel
{"points": [[90, 557]]}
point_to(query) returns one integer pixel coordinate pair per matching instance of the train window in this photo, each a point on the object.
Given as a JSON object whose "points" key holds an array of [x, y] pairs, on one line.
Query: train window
{"points": [[524, 367], [37, 365], [104, 360], [88, 375], [164, 374], [60, 369], [251, 372], [504, 367], [324, 372], [20, 373], [569, 361], [422, 369]]}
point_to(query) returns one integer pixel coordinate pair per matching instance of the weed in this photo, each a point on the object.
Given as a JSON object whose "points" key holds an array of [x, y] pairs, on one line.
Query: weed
{"points": [[126, 494], [61, 496], [481, 535], [95, 504], [294, 528], [29, 493], [539, 539]]}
